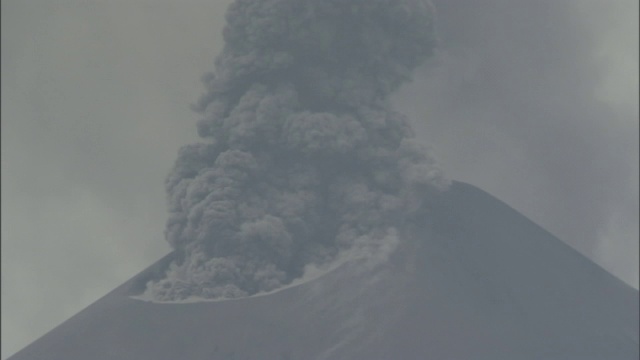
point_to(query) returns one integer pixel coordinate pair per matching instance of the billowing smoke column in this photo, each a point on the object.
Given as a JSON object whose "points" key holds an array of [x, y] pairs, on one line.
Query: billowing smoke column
{"points": [[304, 159]]}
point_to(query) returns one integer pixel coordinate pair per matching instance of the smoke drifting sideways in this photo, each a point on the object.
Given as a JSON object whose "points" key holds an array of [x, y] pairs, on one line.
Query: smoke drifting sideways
{"points": [[304, 159], [514, 106]]}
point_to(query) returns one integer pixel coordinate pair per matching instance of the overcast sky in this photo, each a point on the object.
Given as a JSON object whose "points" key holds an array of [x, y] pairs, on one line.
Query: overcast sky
{"points": [[95, 99], [537, 103]]}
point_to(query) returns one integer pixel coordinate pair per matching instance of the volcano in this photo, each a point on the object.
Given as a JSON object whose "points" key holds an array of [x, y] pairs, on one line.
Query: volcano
{"points": [[474, 280]]}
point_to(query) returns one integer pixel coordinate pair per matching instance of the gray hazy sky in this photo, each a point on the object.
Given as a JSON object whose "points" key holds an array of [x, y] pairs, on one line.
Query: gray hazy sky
{"points": [[95, 99], [537, 103]]}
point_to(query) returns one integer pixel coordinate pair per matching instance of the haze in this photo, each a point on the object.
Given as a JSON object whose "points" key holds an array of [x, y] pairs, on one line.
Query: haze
{"points": [[95, 105]]}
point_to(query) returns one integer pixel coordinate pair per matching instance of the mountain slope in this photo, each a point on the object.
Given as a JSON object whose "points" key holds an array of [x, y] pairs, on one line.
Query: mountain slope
{"points": [[474, 280]]}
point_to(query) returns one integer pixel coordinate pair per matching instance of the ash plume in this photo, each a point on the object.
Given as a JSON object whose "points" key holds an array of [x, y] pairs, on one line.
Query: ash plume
{"points": [[303, 158]]}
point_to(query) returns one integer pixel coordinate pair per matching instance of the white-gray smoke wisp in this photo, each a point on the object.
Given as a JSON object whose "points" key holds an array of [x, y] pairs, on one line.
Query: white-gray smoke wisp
{"points": [[303, 158], [511, 105]]}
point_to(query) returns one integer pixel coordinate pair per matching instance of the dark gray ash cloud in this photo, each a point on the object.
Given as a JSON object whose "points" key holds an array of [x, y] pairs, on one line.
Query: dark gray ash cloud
{"points": [[303, 158], [132, 98]]}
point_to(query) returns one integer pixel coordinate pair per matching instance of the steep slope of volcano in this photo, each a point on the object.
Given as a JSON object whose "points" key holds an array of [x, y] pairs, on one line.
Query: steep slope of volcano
{"points": [[472, 279]]}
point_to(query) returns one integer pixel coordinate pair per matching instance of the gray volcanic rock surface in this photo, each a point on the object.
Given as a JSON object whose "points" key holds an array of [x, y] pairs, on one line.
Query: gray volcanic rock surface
{"points": [[476, 280]]}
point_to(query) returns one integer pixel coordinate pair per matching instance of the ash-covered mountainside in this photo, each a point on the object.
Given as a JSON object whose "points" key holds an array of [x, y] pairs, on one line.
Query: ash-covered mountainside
{"points": [[473, 280], [305, 167]]}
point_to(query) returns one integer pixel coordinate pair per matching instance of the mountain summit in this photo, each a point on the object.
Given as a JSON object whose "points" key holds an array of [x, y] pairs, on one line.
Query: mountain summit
{"points": [[474, 280]]}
